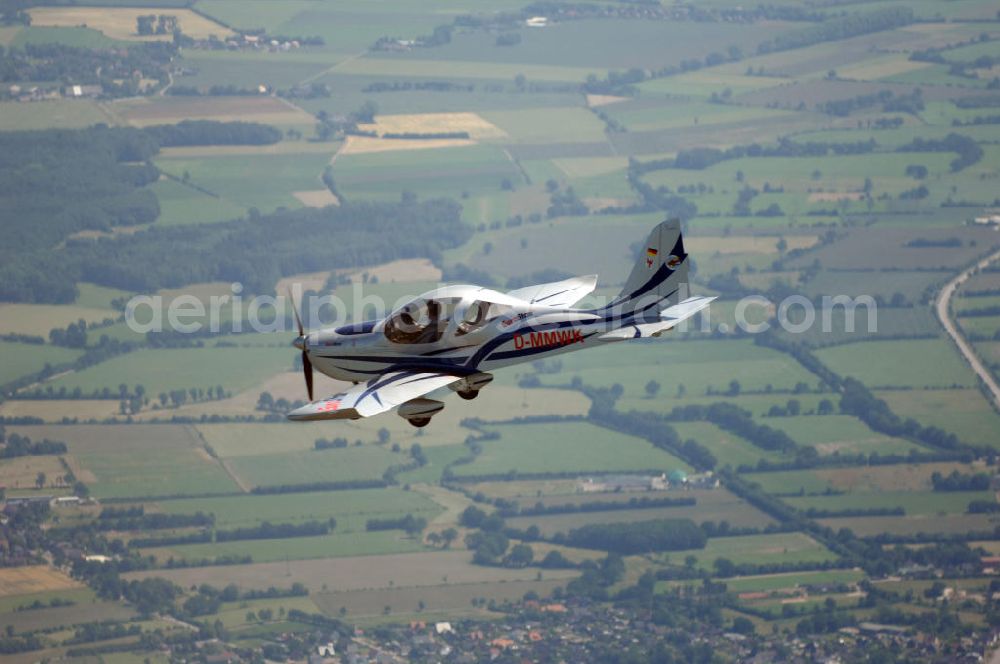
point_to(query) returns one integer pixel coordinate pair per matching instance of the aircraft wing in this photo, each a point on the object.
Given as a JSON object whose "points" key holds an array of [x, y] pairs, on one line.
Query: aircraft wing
{"points": [[558, 293], [378, 395]]}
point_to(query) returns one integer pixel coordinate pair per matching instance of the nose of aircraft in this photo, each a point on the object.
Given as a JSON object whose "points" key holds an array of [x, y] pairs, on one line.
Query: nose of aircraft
{"points": [[301, 342]]}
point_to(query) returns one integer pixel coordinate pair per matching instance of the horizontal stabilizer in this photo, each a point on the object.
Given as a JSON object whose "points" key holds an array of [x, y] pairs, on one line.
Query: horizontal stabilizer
{"points": [[669, 318], [564, 293]]}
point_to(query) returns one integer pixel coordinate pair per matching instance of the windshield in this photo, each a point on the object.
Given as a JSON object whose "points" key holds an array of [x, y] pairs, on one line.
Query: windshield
{"points": [[420, 322], [478, 315]]}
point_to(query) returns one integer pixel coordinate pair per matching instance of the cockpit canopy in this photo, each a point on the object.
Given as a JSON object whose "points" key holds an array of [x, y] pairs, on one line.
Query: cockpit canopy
{"points": [[445, 313]]}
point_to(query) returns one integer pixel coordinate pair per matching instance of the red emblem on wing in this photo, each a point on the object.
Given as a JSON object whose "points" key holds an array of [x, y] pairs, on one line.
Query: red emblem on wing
{"points": [[328, 406]]}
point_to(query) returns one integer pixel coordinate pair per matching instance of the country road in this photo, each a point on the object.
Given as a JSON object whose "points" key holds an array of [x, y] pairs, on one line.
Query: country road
{"points": [[942, 306]]}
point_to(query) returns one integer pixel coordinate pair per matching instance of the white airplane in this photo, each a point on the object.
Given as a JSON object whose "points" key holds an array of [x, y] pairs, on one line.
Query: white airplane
{"points": [[456, 335]]}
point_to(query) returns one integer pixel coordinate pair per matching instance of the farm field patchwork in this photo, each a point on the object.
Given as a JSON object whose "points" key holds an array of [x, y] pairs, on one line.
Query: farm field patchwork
{"points": [[354, 572], [351, 508], [163, 370], [568, 447], [913, 363], [138, 460], [760, 550], [366, 462], [833, 434]]}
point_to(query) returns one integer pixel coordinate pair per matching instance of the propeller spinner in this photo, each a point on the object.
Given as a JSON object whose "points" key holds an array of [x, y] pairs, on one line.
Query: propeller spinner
{"points": [[302, 343]]}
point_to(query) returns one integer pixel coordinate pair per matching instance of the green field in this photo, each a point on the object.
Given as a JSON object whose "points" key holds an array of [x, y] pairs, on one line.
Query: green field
{"points": [[915, 503], [20, 359], [771, 582], [728, 448], [162, 370], [965, 413], [367, 462], [910, 363], [303, 548], [432, 172], [760, 550], [566, 447], [265, 181], [180, 204], [698, 365], [351, 509], [832, 434], [139, 460]]}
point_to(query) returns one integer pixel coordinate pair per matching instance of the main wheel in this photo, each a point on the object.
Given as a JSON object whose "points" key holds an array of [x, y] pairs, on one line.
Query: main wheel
{"points": [[420, 422], [469, 395]]}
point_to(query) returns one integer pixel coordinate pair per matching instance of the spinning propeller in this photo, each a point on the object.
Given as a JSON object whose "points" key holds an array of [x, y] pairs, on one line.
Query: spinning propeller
{"points": [[302, 343]]}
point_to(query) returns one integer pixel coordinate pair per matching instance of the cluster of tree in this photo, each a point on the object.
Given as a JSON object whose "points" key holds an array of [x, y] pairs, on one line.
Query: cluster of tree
{"points": [[427, 86], [701, 158], [643, 502], [53, 603], [268, 530], [57, 182], [890, 102], [333, 444], [271, 245], [155, 521], [112, 69], [413, 525], [102, 631], [636, 537], [978, 120], [309, 487], [152, 24], [950, 242], [508, 39], [814, 513], [957, 481], [16, 445], [566, 204], [652, 427], [840, 27], [210, 132], [983, 507], [74, 336], [981, 101], [980, 312], [732, 418], [598, 577], [969, 151]]}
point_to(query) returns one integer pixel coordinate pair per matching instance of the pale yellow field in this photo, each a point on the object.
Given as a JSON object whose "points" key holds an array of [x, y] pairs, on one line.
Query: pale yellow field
{"points": [[872, 70], [160, 110], [20, 472], [585, 167], [120, 22], [34, 579], [407, 270], [366, 144], [833, 196], [38, 319], [434, 123], [745, 244], [281, 147], [603, 100], [316, 198], [314, 281], [50, 410]]}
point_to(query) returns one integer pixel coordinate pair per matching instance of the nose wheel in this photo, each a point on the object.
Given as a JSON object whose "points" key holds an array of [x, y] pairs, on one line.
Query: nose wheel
{"points": [[419, 422]]}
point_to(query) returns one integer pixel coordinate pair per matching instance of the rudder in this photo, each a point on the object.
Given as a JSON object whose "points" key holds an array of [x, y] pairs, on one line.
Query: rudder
{"points": [[660, 276]]}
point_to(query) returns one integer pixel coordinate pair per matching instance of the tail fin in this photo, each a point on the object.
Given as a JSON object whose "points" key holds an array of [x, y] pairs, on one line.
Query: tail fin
{"points": [[660, 277]]}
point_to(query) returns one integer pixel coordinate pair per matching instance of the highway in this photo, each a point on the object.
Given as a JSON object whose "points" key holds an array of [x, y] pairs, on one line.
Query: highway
{"points": [[942, 307]]}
